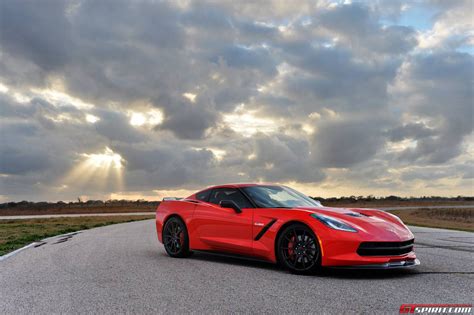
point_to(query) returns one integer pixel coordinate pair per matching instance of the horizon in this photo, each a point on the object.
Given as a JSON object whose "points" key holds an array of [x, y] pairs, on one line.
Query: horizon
{"points": [[311, 196], [142, 100]]}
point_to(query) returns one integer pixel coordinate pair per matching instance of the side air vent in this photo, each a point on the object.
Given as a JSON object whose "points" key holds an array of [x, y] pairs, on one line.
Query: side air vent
{"points": [[265, 229]]}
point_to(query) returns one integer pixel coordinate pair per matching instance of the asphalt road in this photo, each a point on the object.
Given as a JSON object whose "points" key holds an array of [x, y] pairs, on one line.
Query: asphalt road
{"points": [[122, 269]]}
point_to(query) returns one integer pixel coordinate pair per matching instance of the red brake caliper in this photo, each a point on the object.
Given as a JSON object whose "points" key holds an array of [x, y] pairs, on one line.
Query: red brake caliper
{"points": [[291, 246], [181, 238]]}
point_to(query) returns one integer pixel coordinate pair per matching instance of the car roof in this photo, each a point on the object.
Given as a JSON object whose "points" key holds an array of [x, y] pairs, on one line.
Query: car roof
{"points": [[237, 185]]}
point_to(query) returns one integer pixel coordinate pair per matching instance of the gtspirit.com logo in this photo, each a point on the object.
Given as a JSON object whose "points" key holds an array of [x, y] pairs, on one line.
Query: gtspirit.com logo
{"points": [[436, 308]]}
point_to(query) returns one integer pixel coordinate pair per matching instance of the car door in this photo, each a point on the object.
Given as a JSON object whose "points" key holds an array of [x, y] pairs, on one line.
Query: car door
{"points": [[223, 229]]}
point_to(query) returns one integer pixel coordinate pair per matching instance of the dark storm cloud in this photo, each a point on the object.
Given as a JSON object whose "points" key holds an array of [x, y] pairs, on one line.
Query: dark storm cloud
{"points": [[30, 156], [189, 122], [347, 142], [185, 119], [167, 165], [37, 32], [251, 58], [334, 78]]}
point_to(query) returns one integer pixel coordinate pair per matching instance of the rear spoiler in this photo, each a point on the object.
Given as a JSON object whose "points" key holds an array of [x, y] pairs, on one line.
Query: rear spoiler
{"points": [[171, 198]]}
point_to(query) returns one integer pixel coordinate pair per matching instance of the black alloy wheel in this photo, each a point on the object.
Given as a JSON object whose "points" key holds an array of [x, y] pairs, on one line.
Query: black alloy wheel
{"points": [[298, 249], [175, 238]]}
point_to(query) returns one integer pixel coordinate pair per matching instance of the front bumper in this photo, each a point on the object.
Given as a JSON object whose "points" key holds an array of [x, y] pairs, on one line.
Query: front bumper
{"points": [[342, 250], [388, 265]]}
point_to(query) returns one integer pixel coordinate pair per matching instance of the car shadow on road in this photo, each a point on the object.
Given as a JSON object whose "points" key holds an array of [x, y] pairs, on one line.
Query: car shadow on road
{"points": [[366, 273], [324, 272], [234, 260]]}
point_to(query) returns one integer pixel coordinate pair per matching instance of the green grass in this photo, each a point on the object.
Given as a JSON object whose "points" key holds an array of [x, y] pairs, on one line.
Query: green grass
{"points": [[15, 234], [446, 218]]}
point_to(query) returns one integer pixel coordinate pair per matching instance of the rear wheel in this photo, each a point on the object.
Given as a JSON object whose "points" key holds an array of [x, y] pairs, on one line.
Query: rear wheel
{"points": [[175, 238], [298, 249]]}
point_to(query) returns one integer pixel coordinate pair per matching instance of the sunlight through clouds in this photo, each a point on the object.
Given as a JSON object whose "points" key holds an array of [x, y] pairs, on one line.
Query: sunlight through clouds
{"points": [[247, 123], [59, 98], [98, 170], [149, 118], [92, 119]]}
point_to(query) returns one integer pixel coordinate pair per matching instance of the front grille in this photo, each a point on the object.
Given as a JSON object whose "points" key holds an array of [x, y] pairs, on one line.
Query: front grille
{"points": [[385, 248]]}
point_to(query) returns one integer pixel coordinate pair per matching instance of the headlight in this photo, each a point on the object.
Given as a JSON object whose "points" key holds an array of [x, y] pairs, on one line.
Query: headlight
{"points": [[333, 223]]}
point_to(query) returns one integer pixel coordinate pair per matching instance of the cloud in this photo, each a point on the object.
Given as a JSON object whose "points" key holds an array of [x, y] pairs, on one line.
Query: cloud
{"points": [[48, 43], [410, 131], [360, 27], [347, 142], [452, 28], [320, 94], [116, 126], [436, 88]]}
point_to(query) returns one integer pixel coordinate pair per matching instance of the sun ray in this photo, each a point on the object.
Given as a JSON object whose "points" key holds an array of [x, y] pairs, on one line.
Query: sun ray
{"points": [[97, 170]]}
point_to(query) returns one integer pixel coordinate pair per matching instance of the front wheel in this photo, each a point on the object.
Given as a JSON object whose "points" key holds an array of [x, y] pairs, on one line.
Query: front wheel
{"points": [[175, 238], [298, 249]]}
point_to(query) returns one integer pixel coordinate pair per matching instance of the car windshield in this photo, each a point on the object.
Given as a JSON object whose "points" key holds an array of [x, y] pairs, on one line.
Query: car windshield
{"points": [[279, 197]]}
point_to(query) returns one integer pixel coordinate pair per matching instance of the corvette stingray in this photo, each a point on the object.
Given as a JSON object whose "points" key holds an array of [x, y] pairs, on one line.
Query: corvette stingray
{"points": [[281, 225]]}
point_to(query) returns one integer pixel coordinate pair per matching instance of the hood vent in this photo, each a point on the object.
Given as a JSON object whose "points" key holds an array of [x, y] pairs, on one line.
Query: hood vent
{"points": [[357, 214]]}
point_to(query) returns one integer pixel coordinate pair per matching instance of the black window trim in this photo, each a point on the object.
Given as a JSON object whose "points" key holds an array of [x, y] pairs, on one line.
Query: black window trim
{"points": [[248, 197], [208, 196], [236, 188]]}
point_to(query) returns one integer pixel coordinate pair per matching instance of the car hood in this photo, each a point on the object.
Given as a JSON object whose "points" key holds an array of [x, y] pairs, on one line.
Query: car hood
{"points": [[377, 223]]}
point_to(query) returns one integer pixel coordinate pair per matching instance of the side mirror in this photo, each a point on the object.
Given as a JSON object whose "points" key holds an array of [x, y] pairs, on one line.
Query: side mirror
{"points": [[230, 204]]}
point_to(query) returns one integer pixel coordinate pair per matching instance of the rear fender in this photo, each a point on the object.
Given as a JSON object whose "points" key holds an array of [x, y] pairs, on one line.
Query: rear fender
{"points": [[183, 209]]}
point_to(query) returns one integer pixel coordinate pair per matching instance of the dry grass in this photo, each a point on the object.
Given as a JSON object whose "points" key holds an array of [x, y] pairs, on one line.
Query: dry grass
{"points": [[15, 234], [395, 203], [446, 218], [77, 209]]}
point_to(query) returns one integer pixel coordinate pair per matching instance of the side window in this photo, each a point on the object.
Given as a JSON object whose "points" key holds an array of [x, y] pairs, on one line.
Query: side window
{"points": [[233, 194], [203, 195]]}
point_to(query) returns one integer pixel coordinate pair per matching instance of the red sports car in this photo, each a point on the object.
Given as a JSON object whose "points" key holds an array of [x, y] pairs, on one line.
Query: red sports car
{"points": [[281, 225]]}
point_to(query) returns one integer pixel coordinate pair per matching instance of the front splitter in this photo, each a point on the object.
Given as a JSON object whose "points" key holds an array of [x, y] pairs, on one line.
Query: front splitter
{"points": [[390, 265]]}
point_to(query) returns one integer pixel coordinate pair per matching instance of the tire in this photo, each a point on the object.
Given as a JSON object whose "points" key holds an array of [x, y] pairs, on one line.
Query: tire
{"points": [[298, 250], [175, 238]]}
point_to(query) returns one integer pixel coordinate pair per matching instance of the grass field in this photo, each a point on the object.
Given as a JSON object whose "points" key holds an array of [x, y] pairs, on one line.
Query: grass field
{"points": [[76, 209], [15, 234], [446, 218], [394, 203]]}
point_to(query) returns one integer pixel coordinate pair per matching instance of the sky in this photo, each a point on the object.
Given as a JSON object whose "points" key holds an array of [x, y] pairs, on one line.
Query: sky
{"points": [[146, 99]]}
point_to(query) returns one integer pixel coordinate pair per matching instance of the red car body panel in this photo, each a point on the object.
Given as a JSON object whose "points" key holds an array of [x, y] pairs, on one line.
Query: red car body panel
{"points": [[213, 228]]}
